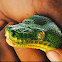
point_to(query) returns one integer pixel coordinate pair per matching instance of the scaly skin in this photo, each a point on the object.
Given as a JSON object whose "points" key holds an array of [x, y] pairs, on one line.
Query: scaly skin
{"points": [[35, 32]]}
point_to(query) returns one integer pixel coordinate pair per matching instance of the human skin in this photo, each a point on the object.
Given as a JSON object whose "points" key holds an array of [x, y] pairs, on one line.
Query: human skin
{"points": [[18, 10], [21, 9]]}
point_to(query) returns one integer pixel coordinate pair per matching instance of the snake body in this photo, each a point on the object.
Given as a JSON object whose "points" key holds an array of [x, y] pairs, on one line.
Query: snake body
{"points": [[37, 32]]}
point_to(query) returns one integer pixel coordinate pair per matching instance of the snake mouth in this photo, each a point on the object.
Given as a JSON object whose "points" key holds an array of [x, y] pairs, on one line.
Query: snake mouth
{"points": [[33, 45], [36, 44]]}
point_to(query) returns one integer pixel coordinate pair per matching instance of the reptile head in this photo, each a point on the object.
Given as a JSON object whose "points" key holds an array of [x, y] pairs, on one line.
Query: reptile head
{"points": [[35, 32]]}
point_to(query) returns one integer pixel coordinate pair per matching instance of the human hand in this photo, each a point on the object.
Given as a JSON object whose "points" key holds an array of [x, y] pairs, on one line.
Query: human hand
{"points": [[18, 11], [22, 9], [6, 52], [54, 55]]}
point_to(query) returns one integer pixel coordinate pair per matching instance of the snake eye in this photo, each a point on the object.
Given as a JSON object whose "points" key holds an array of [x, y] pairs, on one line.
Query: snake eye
{"points": [[41, 35]]}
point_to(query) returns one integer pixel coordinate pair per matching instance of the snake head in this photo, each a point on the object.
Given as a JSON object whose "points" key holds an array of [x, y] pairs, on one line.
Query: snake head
{"points": [[34, 31]]}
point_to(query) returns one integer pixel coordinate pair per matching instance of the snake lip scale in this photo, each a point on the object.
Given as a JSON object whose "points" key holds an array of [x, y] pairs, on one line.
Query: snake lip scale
{"points": [[37, 32], [7, 37]]}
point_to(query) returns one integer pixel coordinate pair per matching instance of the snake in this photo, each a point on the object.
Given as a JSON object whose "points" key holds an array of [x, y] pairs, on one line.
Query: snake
{"points": [[38, 32]]}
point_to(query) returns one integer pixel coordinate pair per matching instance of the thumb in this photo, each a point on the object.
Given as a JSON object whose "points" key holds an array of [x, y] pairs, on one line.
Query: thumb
{"points": [[54, 55], [6, 52]]}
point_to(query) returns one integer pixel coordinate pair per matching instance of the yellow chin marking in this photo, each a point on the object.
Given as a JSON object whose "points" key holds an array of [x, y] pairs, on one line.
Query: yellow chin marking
{"points": [[36, 46]]}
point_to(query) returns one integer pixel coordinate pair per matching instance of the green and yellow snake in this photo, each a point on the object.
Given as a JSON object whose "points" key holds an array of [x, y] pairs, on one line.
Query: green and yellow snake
{"points": [[37, 32]]}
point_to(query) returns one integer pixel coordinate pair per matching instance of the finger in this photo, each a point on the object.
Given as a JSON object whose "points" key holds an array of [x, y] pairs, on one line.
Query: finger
{"points": [[55, 55], [28, 54], [6, 52], [2, 24], [11, 23], [3, 30]]}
